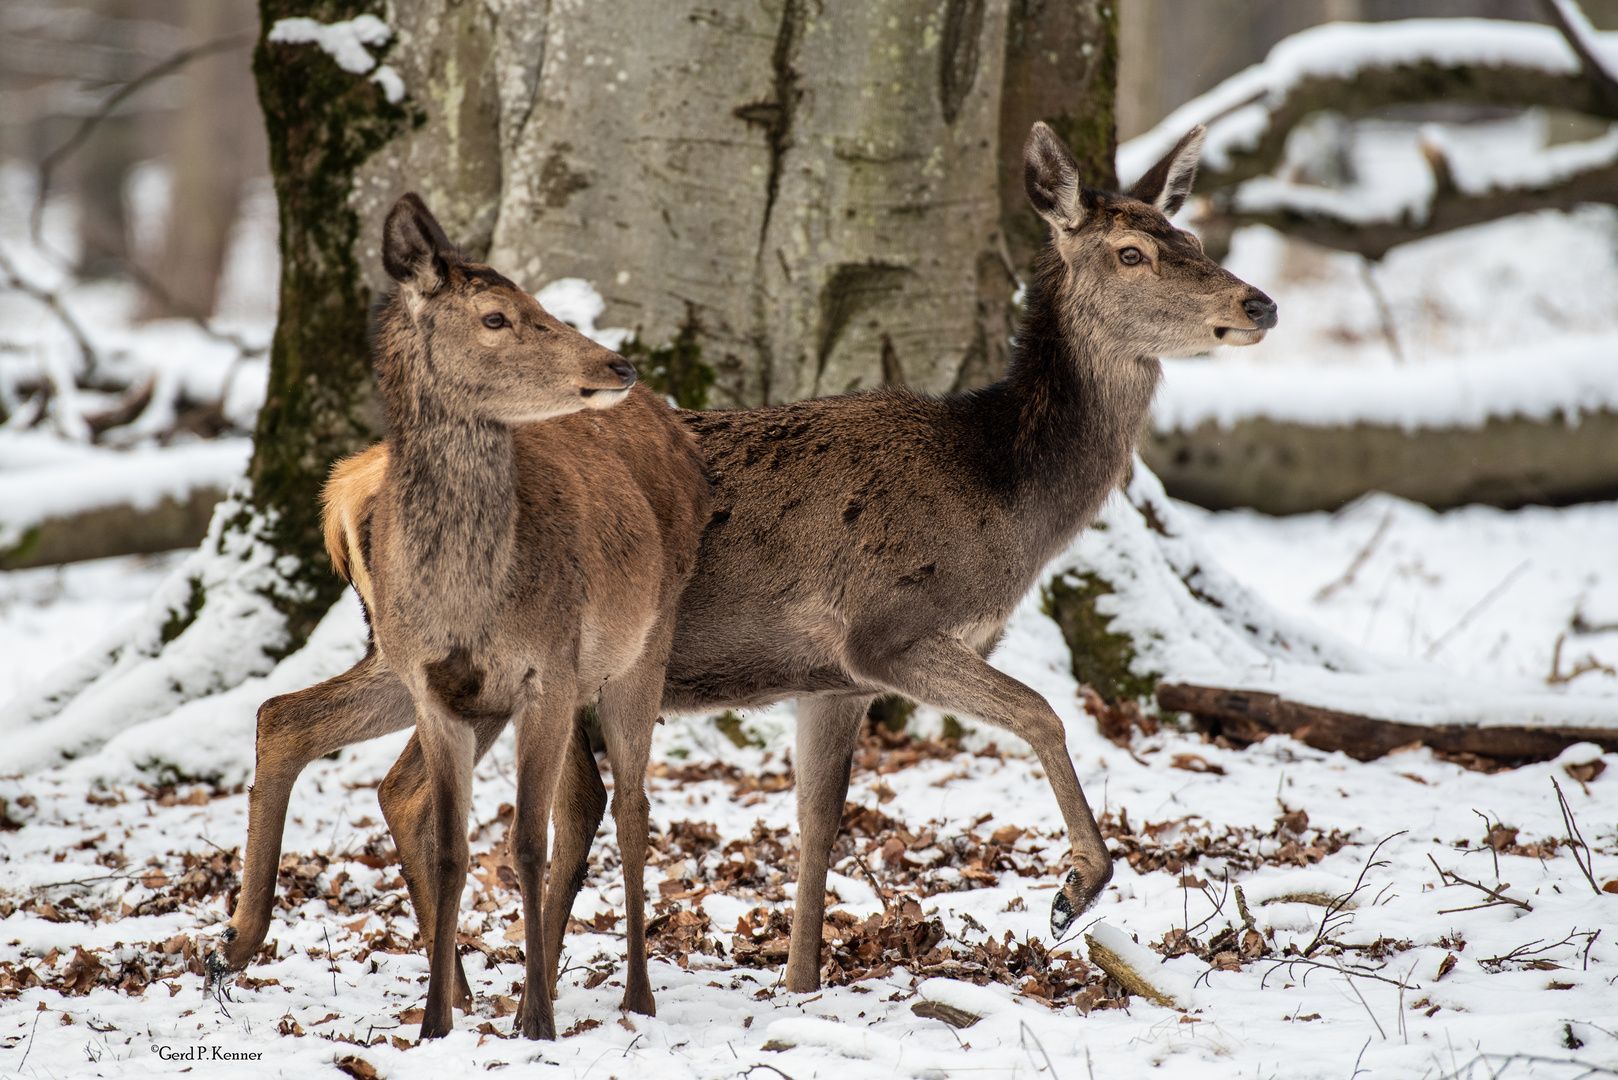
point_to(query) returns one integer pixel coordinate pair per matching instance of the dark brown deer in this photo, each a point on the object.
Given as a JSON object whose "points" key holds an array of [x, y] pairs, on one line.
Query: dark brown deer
{"points": [[517, 564], [878, 542]]}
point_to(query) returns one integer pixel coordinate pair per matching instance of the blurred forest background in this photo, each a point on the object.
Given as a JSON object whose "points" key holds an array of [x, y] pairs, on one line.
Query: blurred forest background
{"points": [[179, 170]]}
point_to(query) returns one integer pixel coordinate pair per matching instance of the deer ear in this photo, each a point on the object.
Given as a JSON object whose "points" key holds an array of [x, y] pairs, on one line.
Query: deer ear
{"points": [[1167, 184], [415, 252], [1051, 177]]}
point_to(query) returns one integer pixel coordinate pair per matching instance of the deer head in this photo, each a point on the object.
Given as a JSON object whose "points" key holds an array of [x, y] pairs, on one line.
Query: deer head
{"points": [[1125, 267], [473, 341]]}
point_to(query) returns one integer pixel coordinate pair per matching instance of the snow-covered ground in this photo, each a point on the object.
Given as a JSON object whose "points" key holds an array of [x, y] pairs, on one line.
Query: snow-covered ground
{"points": [[1492, 595], [150, 871]]}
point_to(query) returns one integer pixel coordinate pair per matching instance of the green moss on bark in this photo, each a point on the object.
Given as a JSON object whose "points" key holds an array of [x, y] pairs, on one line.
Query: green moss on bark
{"points": [[1101, 659], [323, 123], [675, 369]]}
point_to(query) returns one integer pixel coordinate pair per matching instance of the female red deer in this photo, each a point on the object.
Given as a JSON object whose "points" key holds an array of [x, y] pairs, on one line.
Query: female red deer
{"points": [[518, 563], [878, 542]]}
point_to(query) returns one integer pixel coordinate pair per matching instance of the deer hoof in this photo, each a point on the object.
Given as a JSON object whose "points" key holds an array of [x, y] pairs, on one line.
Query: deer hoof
{"points": [[536, 1026], [1073, 899], [217, 982]]}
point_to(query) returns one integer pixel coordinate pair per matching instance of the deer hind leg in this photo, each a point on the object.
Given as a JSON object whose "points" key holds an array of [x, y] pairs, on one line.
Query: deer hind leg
{"points": [[946, 674], [544, 731], [828, 729], [581, 800], [405, 796], [628, 715], [448, 746], [364, 702]]}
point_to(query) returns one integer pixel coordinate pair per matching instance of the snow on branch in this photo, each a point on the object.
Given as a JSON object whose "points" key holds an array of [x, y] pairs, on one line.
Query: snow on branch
{"points": [[1355, 68], [1399, 182]]}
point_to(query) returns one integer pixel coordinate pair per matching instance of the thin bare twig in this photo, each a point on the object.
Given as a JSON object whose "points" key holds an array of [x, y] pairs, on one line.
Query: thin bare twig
{"points": [[1496, 896], [1487, 830], [1357, 970], [1028, 1034], [1367, 1006], [870, 877], [116, 98], [1519, 955], [1533, 1059], [1339, 904], [764, 1065], [53, 303], [1575, 839], [1490, 597], [1346, 578]]}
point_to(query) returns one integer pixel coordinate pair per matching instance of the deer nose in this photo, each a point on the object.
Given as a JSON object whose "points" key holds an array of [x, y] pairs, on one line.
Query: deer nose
{"points": [[1261, 309], [622, 369]]}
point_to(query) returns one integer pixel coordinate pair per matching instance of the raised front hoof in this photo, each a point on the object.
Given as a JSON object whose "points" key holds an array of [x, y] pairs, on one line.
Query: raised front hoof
{"points": [[639, 1000], [1073, 899], [221, 965]]}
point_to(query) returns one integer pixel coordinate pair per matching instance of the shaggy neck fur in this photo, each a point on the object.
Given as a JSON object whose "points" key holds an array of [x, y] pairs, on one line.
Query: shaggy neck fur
{"points": [[455, 476], [1059, 430]]}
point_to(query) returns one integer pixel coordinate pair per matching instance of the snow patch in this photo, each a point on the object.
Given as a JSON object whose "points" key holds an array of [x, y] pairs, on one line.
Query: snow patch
{"points": [[345, 42], [1237, 110], [576, 302]]}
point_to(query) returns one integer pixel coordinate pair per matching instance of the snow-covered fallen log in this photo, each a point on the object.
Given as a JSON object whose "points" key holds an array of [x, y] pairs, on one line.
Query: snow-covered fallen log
{"points": [[1141, 602], [1276, 127], [1246, 716], [87, 502]]}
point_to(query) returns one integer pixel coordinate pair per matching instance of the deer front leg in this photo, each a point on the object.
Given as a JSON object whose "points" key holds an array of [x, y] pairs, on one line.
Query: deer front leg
{"points": [[364, 702], [449, 750], [581, 800], [405, 796], [946, 674], [828, 729], [544, 731]]}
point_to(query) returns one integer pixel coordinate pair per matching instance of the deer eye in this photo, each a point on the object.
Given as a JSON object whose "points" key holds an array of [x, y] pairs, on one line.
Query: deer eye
{"points": [[1130, 256], [494, 320]]}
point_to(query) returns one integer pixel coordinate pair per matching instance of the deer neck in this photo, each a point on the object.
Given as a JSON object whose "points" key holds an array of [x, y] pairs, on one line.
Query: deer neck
{"points": [[456, 507], [1073, 405]]}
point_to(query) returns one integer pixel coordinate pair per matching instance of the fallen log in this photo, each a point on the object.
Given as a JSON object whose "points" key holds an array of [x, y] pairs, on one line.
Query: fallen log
{"points": [[1287, 467], [1248, 716]]}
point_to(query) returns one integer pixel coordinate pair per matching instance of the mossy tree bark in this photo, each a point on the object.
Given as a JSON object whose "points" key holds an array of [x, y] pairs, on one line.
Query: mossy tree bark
{"points": [[323, 123]]}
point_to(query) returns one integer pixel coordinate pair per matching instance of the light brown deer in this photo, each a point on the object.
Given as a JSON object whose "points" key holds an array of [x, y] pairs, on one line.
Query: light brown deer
{"points": [[878, 542], [517, 563]]}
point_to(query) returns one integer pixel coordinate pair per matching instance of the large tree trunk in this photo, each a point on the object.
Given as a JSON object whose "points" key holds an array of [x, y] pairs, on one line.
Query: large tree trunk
{"points": [[323, 124], [793, 198]]}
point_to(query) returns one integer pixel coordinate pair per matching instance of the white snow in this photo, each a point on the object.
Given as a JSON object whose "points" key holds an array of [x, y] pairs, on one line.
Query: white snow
{"points": [[95, 479], [1512, 318], [1243, 640], [1237, 110], [345, 42], [577, 303], [1486, 593]]}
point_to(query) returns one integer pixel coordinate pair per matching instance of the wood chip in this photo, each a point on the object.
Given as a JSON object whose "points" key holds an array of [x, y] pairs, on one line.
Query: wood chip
{"points": [[949, 1014]]}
